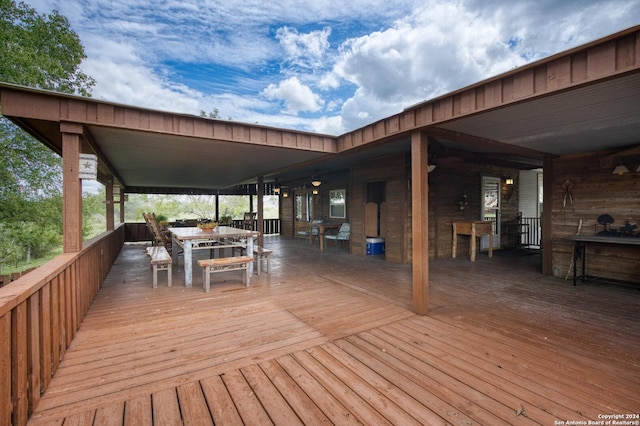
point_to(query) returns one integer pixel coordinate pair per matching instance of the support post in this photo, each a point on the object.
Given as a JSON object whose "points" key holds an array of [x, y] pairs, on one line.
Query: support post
{"points": [[109, 204], [71, 187], [122, 197], [547, 197], [420, 222], [260, 214]]}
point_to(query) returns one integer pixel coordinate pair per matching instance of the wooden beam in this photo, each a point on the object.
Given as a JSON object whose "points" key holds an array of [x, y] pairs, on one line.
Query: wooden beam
{"points": [[420, 222], [260, 210], [122, 197], [71, 187], [484, 143], [610, 160], [109, 204], [547, 199]]}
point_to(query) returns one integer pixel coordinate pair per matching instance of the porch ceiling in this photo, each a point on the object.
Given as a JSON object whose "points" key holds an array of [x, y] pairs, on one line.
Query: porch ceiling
{"points": [[149, 162], [596, 117]]}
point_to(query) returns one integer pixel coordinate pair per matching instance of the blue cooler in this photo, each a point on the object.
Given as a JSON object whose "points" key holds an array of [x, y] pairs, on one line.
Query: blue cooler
{"points": [[375, 246]]}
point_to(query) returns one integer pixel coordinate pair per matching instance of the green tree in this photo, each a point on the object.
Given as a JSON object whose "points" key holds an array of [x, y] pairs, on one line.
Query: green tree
{"points": [[40, 51]]}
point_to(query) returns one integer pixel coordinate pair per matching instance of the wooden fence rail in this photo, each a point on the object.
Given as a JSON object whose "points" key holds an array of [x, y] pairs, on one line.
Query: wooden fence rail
{"points": [[136, 232], [40, 314]]}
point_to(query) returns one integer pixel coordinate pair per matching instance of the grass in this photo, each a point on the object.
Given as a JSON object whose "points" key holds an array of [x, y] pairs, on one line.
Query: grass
{"points": [[7, 269]]}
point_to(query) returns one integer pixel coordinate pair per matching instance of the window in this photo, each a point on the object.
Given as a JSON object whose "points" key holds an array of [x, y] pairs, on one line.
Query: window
{"points": [[309, 207], [337, 203], [298, 207]]}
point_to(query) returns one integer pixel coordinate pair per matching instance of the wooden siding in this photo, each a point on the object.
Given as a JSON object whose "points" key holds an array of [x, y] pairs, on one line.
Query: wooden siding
{"points": [[448, 183], [393, 171], [334, 341], [60, 108], [597, 191], [40, 314]]}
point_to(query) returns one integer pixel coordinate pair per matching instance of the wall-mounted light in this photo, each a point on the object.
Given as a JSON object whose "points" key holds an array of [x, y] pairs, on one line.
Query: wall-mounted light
{"points": [[315, 192], [620, 170], [463, 202], [508, 180], [285, 194], [431, 164]]}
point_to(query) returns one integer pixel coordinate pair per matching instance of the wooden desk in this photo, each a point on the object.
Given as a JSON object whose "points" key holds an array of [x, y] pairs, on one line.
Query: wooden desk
{"points": [[580, 248], [474, 229], [188, 237]]}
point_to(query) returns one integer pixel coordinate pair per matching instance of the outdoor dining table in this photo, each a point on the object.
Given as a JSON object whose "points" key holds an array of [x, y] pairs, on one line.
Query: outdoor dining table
{"points": [[191, 237]]}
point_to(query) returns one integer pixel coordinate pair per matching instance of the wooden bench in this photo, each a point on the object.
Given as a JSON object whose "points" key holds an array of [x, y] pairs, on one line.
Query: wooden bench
{"points": [[160, 261], [260, 253], [225, 264]]}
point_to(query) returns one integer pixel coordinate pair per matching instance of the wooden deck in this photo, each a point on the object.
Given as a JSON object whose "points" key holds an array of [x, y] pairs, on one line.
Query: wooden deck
{"points": [[331, 339]]}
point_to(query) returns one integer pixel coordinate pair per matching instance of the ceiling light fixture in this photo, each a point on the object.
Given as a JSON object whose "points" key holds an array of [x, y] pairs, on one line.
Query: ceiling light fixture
{"points": [[315, 180], [620, 170]]}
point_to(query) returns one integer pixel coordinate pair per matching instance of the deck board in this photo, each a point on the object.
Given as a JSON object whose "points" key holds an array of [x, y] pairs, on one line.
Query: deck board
{"points": [[334, 341]]}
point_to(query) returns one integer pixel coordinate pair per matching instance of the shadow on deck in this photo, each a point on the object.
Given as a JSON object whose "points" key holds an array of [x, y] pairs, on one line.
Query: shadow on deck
{"points": [[330, 338]]}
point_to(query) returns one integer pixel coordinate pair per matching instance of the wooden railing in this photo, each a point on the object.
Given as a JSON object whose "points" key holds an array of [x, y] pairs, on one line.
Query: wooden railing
{"points": [[271, 226], [40, 314], [138, 231], [533, 238]]}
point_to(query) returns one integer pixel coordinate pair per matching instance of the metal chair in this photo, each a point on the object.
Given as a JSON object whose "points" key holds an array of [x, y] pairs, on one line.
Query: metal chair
{"points": [[344, 234]]}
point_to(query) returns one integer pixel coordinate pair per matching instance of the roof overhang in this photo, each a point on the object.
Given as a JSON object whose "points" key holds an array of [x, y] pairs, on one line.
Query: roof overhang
{"points": [[583, 100]]}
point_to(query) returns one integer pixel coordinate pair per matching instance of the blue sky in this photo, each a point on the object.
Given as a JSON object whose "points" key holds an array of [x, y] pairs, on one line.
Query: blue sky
{"points": [[321, 65]]}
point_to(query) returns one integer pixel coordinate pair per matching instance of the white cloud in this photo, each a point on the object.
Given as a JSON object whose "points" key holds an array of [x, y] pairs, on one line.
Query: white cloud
{"points": [[125, 78], [304, 50], [445, 46], [311, 65], [296, 96]]}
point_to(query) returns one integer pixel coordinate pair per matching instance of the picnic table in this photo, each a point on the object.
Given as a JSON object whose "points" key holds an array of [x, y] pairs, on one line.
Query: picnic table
{"points": [[193, 238]]}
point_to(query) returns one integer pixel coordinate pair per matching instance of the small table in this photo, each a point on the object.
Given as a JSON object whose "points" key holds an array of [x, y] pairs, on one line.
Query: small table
{"points": [[580, 248], [187, 237], [474, 229]]}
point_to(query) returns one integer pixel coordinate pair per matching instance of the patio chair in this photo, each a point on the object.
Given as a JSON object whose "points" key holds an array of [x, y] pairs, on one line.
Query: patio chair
{"points": [[344, 234], [248, 220], [310, 232], [159, 236]]}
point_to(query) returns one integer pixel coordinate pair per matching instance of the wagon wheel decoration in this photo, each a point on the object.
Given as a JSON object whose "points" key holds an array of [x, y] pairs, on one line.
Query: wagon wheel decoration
{"points": [[567, 186]]}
